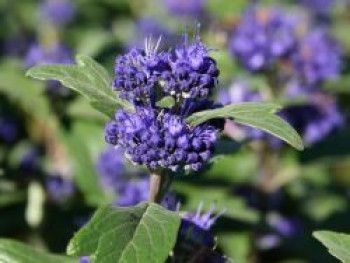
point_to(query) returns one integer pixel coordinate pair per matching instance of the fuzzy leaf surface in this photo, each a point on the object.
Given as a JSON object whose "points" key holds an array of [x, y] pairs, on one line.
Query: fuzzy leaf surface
{"points": [[257, 115], [16, 252], [88, 78], [338, 244], [143, 233]]}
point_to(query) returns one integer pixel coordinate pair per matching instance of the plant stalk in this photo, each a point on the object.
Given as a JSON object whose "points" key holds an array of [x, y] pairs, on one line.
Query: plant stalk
{"points": [[159, 185]]}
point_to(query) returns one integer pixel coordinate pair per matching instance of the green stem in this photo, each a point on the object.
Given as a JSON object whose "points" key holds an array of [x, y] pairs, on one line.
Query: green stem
{"points": [[159, 186]]}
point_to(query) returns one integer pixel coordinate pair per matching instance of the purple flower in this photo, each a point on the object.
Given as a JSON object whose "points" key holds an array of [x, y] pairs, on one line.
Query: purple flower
{"points": [[30, 162], [133, 192], [17, 44], [285, 227], [194, 73], [262, 37], [184, 72], [55, 54], [161, 139], [189, 8], [58, 12], [268, 241], [8, 130], [130, 186], [195, 234], [111, 169], [280, 228], [316, 120], [59, 189], [319, 7], [317, 58], [238, 92], [85, 259]]}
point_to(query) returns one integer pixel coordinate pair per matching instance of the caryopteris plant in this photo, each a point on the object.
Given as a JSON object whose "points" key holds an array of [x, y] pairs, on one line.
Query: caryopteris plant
{"points": [[162, 117]]}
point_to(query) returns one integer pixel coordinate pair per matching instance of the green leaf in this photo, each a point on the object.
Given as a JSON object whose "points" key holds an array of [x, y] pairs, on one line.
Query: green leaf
{"points": [[338, 244], [257, 115], [22, 91], [144, 233], [166, 102], [83, 143], [16, 252], [88, 78]]}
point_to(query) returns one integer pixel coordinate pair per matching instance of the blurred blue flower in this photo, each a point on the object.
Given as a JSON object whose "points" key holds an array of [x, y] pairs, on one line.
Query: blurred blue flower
{"points": [[150, 28], [281, 228], [187, 8], [111, 168], [17, 44], [131, 187], [59, 189], [85, 259], [8, 130], [317, 58], [318, 7], [58, 12], [30, 161], [262, 37], [54, 54], [133, 191], [315, 120], [285, 227]]}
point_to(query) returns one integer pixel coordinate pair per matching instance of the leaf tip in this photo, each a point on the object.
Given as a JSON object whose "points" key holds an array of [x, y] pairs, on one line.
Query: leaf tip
{"points": [[29, 72], [71, 248]]}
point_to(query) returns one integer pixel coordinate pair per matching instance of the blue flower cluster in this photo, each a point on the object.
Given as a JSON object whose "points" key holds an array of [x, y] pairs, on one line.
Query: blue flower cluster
{"points": [[58, 12], [262, 37], [157, 137], [161, 139], [186, 72], [317, 58]]}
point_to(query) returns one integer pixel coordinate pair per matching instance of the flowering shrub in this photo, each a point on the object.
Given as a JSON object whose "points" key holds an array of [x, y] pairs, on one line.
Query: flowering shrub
{"points": [[151, 137]]}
